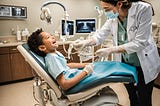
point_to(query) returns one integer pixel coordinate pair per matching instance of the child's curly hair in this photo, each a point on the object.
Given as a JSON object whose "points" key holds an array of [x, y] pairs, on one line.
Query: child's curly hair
{"points": [[34, 41]]}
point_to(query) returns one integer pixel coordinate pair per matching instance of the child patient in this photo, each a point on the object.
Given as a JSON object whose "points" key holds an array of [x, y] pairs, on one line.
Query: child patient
{"points": [[66, 74]]}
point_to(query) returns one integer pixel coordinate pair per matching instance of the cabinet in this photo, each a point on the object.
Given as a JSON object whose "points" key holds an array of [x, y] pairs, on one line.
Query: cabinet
{"points": [[5, 72], [157, 81], [12, 65]]}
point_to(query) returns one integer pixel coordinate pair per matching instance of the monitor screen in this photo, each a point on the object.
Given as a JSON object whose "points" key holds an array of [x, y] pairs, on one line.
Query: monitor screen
{"points": [[68, 27], [85, 25]]}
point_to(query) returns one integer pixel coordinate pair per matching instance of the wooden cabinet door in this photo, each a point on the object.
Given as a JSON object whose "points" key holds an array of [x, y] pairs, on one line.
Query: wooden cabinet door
{"points": [[5, 72], [157, 81], [5, 69], [20, 68]]}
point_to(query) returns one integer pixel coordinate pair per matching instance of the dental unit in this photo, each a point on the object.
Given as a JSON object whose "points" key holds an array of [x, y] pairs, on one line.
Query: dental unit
{"points": [[87, 53]]}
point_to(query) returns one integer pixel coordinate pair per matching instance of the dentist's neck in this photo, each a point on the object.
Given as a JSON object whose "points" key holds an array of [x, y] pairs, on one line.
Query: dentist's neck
{"points": [[123, 13]]}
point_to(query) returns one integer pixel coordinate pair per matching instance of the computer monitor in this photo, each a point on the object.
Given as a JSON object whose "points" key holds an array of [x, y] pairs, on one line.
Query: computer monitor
{"points": [[86, 25], [67, 27]]}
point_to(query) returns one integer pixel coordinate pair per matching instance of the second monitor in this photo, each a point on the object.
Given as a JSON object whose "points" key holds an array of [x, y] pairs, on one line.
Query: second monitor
{"points": [[86, 25]]}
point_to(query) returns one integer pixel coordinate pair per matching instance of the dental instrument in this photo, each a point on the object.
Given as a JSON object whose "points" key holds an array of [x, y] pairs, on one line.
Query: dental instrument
{"points": [[87, 53]]}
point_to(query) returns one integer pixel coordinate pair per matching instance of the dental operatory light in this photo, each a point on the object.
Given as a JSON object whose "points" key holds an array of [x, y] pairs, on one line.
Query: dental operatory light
{"points": [[46, 14]]}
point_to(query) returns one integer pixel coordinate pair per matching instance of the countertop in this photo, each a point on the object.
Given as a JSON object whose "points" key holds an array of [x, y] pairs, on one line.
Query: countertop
{"points": [[11, 44], [19, 43]]}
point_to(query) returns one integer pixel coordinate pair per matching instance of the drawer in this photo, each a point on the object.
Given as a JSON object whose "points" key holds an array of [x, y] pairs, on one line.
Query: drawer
{"points": [[4, 50], [13, 49]]}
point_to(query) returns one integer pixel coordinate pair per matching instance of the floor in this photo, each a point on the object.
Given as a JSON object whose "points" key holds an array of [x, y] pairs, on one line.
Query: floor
{"points": [[20, 94]]}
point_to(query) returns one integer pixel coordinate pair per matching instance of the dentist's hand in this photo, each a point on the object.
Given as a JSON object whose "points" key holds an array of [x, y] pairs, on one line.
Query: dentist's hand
{"points": [[80, 44], [105, 52], [89, 69]]}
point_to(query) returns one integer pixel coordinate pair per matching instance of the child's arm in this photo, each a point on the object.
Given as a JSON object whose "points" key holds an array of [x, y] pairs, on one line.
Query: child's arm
{"points": [[77, 65], [66, 84]]}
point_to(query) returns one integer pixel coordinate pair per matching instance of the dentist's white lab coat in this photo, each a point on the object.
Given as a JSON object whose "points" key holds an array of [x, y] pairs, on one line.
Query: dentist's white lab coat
{"points": [[139, 30]]}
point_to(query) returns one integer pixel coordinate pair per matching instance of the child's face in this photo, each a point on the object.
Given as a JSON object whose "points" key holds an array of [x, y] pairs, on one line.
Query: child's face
{"points": [[49, 42]]}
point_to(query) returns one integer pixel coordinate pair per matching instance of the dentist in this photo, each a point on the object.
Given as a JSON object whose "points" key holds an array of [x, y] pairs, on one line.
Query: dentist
{"points": [[130, 23]]}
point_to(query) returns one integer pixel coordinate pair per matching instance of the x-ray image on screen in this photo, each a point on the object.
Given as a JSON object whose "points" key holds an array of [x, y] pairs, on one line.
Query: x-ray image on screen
{"points": [[85, 25], [18, 11], [67, 27]]}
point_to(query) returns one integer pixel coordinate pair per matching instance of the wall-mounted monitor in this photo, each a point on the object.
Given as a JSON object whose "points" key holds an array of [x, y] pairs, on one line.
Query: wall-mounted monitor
{"points": [[86, 25], [67, 27], [13, 12]]}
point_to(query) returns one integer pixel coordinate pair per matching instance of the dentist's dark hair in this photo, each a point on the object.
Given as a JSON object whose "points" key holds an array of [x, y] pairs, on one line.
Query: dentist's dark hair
{"points": [[34, 41], [126, 3], [114, 2]]}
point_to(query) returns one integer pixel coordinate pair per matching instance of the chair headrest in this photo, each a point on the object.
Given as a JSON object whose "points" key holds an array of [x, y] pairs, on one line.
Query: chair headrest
{"points": [[38, 64], [39, 59]]}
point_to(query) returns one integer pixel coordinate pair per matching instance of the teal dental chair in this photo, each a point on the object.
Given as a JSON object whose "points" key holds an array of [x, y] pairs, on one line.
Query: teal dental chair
{"points": [[46, 90]]}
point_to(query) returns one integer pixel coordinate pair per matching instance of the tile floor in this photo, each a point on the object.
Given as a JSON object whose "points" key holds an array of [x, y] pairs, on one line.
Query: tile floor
{"points": [[20, 94]]}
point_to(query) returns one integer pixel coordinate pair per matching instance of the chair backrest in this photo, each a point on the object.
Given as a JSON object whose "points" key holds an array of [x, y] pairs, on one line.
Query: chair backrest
{"points": [[38, 64]]}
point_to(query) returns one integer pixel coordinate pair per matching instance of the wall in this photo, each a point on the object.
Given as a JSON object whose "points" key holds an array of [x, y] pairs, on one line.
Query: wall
{"points": [[75, 8], [155, 4]]}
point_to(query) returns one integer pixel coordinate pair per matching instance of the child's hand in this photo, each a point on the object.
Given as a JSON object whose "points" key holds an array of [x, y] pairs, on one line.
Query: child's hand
{"points": [[89, 69]]}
